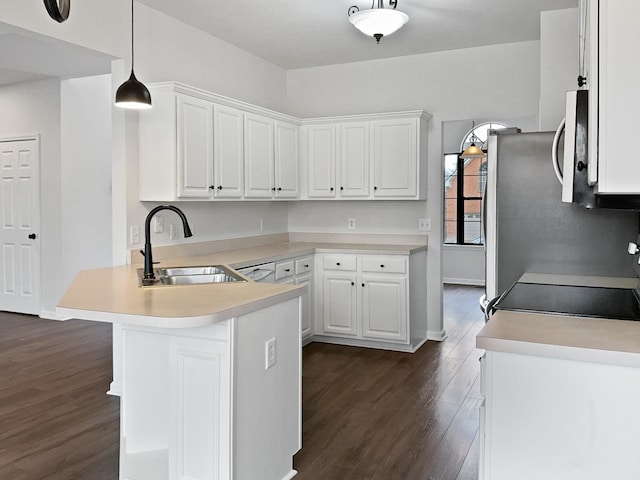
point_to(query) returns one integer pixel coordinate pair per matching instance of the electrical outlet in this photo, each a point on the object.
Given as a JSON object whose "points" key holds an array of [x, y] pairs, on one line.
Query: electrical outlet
{"points": [[424, 224], [173, 231], [351, 223], [134, 235], [270, 353], [263, 225], [158, 224]]}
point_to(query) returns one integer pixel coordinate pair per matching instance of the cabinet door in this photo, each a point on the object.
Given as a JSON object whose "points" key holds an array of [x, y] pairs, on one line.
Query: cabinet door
{"points": [[286, 162], [258, 156], [354, 159], [395, 158], [384, 307], [194, 147], [339, 304], [321, 155], [306, 319], [228, 152], [618, 102]]}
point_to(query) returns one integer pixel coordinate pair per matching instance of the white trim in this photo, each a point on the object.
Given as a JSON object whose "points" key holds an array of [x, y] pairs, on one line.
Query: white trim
{"points": [[437, 336], [290, 475], [50, 315], [464, 281]]}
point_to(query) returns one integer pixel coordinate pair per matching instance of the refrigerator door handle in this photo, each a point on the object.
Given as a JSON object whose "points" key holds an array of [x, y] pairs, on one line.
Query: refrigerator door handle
{"points": [[555, 161]]}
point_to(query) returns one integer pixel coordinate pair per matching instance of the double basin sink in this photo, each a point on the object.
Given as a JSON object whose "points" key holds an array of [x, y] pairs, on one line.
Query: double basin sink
{"points": [[168, 276]]}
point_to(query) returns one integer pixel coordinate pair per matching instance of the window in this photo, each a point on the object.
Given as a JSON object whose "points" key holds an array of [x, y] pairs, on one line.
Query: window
{"points": [[464, 183]]}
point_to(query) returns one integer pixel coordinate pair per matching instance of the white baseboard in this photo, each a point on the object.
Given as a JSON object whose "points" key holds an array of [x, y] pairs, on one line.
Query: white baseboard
{"points": [[115, 389], [290, 475], [465, 281], [437, 336], [49, 315]]}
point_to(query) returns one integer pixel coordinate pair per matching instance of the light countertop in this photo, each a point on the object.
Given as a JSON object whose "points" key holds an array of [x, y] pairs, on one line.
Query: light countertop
{"points": [[112, 294], [562, 336]]}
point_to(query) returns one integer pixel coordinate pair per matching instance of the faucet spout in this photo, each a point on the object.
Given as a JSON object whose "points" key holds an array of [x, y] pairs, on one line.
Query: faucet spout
{"points": [[149, 277]]}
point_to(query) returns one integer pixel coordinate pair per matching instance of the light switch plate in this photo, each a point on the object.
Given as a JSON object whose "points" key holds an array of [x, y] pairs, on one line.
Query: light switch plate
{"points": [[424, 224]]}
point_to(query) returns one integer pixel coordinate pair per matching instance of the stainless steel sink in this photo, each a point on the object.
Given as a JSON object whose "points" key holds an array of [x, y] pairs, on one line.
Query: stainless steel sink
{"points": [[189, 276]]}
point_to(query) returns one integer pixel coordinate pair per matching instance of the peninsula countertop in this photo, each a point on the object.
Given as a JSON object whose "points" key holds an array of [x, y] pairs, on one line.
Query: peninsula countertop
{"points": [[589, 339], [113, 295]]}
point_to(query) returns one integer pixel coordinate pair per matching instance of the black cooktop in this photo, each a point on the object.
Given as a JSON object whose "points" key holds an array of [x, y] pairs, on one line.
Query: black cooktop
{"points": [[613, 303]]}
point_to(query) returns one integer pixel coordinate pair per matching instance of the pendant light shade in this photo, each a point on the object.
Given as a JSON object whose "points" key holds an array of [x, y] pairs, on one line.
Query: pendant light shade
{"points": [[132, 94], [473, 151], [378, 22]]}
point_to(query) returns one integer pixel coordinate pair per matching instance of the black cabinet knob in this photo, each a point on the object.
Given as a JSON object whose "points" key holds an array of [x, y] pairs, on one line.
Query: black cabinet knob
{"points": [[338, 264], [381, 266], [306, 266], [273, 189], [32, 236], [353, 283], [219, 187], [375, 188], [279, 189], [341, 188], [287, 269], [363, 284], [331, 189], [212, 187]]}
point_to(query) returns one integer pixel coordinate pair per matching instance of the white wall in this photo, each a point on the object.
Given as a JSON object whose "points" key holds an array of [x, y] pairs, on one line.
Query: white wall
{"points": [[558, 63], [506, 85], [28, 109], [85, 119], [167, 50]]}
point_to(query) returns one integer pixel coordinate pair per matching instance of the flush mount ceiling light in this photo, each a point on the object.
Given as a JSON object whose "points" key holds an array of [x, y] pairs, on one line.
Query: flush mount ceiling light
{"points": [[378, 22], [473, 150], [133, 94]]}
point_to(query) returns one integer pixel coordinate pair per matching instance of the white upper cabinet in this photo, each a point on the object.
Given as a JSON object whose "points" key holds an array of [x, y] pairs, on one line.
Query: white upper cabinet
{"points": [[228, 135], [395, 158], [176, 148], [613, 97], [259, 156], [355, 158], [365, 157], [287, 154], [321, 160]]}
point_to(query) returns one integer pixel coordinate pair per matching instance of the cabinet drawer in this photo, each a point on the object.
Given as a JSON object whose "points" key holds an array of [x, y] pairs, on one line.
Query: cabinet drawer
{"points": [[340, 262], [384, 264], [304, 265], [284, 269]]}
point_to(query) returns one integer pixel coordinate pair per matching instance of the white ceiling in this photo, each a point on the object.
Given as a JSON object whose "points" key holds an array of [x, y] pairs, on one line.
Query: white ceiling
{"points": [[305, 33]]}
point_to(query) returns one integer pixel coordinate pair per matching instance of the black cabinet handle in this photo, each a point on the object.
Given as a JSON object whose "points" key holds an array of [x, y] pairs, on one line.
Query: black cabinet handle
{"points": [[341, 188], [279, 189], [338, 264], [306, 266], [219, 187], [381, 266], [273, 189], [212, 187], [331, 189], [375, 188], [32, 236], [353, 283], [363, 284], [287, 269]]}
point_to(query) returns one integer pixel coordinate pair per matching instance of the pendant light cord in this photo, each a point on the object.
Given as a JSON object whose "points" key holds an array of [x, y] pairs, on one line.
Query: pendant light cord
{"points": [[132, 57]]}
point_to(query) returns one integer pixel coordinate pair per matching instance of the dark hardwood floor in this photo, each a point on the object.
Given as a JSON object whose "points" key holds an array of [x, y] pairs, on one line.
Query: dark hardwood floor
{"points": [[379, 415], [368, 414]]}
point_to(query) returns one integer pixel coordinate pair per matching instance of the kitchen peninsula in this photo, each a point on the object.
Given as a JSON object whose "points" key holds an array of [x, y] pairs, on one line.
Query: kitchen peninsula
{"points": [[200, 397]]}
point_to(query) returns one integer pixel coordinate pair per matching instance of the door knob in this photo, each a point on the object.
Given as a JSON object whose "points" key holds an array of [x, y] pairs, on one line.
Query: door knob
{"points": [[32, 236]]}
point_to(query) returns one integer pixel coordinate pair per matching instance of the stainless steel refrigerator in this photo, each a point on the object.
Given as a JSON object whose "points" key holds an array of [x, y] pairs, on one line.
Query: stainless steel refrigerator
{"points": [[529, 229]]}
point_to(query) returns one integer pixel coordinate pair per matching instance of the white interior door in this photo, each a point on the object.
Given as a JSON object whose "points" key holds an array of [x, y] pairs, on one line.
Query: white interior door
{"points": [[19, 236]]}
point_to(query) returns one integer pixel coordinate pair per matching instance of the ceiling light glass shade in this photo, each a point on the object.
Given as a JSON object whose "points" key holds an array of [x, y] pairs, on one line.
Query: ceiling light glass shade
{"points": [[382, 21], [473, 151], [133, 94]]}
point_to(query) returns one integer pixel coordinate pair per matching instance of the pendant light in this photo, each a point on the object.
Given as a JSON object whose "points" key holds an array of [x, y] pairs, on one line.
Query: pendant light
{"points": [[473, 151], [378, 22], [133, 94]]}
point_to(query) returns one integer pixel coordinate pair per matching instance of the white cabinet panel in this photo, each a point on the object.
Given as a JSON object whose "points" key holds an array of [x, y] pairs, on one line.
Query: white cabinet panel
{"points": [[259, 156], [614, 95], [286, 160], [395, 158], [384, 307], [321, 157], [195, 147], [306, 307], [354, 159], [339, 304], [228, 152]]}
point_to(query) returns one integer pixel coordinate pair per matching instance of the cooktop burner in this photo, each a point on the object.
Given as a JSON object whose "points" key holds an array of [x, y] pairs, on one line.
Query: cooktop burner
{"points": [[614, 303]]}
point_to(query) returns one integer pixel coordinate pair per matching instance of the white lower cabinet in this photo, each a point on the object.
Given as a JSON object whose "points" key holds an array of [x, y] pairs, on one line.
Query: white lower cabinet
{"points": [[361, 300], [299, 271]]}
